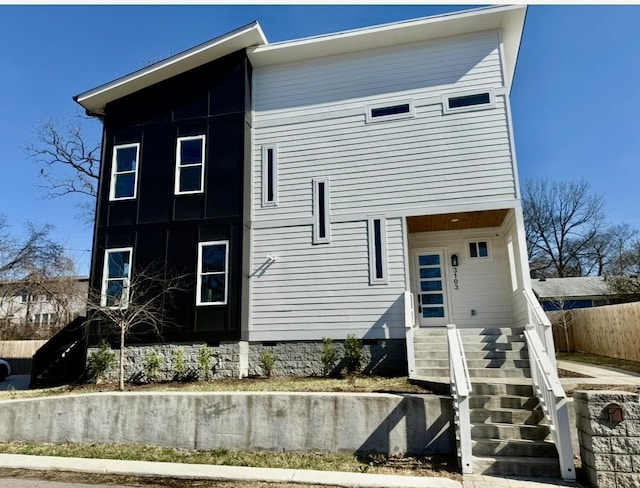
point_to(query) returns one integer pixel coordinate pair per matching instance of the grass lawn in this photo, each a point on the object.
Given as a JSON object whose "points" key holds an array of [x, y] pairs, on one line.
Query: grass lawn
{"points": [[353, 384], [406, 465]]}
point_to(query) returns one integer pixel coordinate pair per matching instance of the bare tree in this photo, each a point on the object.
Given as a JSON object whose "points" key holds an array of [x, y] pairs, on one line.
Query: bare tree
{"points": [[139, 306], [627, 279], [562, 220], [69, 163]]}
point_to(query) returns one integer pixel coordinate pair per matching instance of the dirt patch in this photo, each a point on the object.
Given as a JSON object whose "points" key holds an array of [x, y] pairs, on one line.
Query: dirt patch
{"points": [[565, 373]]}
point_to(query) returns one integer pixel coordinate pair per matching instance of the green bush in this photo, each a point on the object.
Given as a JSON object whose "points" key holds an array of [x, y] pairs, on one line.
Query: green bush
{"points": [[179, 365], [152, 363], [205, 362], [353, 353], [329, 356], [101, 361], [268, 363]]}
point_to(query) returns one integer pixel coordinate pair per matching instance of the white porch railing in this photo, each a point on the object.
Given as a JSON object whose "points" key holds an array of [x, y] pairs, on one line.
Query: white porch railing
{"points": [[546, 384], [409, 323], [460, 390]]}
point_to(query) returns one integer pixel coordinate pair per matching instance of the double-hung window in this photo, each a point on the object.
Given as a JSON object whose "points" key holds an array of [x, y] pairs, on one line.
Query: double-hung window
{"points": [[213, 265], [124, 171], [377, 250], [116, 278], [190, 153]]}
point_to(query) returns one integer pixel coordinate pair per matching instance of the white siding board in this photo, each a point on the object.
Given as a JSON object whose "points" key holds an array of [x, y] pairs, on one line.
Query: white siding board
{"points": [[324, 290], [369, 73]]}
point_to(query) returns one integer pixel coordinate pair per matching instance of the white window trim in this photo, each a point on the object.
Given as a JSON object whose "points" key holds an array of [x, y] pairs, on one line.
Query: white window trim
{"points": [[470, 108], [199, 301], [177, 191], [479, 258], [265, 176], [373, 279], [370, 119], [324, 211], [105, 276], [112, 189]]}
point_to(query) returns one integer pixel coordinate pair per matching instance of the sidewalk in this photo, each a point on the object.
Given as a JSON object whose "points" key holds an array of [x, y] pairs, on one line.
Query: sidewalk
{"points": [[237, 473], [599, 375]]}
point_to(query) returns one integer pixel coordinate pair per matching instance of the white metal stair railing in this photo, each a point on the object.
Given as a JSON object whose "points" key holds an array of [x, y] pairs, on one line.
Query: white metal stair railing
{"points": [[460, 390], [546, 384]]}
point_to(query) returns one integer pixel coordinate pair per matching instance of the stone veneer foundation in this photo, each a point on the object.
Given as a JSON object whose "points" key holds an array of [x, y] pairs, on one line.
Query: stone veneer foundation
{"points": [[237, 359]]}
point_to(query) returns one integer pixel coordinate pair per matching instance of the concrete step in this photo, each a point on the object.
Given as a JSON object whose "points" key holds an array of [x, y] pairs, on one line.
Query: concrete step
{"points": [[508, 431], [517, 466], [499, 373], [482, 388], [472, 351], [475, 363], [468, 331], [513, 448], [504, 401], [469, 339], [517, 416]]}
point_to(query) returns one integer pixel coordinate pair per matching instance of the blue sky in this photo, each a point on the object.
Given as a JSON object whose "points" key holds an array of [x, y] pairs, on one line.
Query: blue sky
{"points": [[575, 98]]}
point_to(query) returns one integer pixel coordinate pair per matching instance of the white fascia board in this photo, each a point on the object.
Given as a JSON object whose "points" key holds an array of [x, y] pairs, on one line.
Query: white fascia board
{"points": [[508, 18], [95, 100]]}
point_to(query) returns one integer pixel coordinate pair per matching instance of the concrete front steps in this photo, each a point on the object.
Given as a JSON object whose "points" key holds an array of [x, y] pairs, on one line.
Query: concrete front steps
{"points": [[508, 429]]}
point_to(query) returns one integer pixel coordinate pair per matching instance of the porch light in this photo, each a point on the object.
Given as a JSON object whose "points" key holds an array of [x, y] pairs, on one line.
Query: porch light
{"points": [[454, 260]]}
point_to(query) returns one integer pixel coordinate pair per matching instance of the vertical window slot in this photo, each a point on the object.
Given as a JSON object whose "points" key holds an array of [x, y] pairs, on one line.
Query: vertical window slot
{"points": [[321, 230], [377, 250], [269, 176]]}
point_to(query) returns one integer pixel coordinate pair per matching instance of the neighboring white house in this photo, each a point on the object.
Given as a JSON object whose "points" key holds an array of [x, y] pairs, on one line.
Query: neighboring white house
{"points": [[40, 307]]}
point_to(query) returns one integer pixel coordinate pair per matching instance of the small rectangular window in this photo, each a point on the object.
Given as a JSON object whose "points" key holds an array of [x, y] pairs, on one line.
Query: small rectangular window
{"points": [[124, 171], [379, 113], [269, 176], [116, 277], [321, 227], [190, 153], [377, 250], [213, 266], [468, 102], [478, 250]]}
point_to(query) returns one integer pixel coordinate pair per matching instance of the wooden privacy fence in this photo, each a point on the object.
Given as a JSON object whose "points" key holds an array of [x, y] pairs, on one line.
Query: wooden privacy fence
{"points": [[18, 354], [613, 330]]}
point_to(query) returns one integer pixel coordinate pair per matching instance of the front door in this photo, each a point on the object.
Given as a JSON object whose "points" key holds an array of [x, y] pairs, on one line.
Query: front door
{"points": [[431, 289]]}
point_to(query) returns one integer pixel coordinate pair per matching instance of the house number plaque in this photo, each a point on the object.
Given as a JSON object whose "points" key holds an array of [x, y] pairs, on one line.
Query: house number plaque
{"points": [[455, 279]]}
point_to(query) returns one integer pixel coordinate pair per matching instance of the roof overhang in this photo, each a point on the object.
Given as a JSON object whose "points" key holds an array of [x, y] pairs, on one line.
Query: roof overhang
{"points": [[95, 100], [509, 19]]}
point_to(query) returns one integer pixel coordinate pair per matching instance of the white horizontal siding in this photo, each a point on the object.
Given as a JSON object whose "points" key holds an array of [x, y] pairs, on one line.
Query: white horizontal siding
{"points": [[463, 61], [316, 291]]}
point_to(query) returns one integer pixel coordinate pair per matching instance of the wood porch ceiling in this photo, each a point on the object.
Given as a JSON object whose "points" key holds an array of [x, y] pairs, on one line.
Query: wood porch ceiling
{"points": [[457, 221]]}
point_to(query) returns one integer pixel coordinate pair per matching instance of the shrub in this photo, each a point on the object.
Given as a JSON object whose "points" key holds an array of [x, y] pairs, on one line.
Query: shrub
{"points": [[179, 365], [152, 363], [101, 361], [329, 356], [205, 362], [268, 363], [353, 353]]}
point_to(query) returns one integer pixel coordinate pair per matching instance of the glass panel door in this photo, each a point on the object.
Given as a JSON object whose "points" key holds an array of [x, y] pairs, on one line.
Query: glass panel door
{"points": [[431, 289]]}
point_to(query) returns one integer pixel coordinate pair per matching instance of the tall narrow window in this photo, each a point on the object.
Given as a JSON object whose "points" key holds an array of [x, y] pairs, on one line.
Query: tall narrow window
{"points": [[190, 165], [116, 277], [124, 171], [377, 250], [213, 265], [269, 176], [321, 228]]}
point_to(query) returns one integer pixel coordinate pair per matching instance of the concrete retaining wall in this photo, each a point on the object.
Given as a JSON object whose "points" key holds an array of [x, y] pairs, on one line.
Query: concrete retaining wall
{"points": [[347, 422]]}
